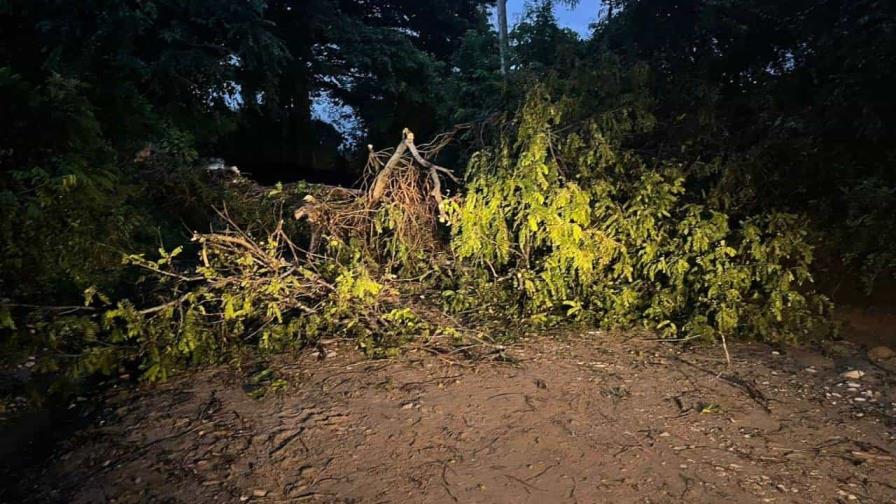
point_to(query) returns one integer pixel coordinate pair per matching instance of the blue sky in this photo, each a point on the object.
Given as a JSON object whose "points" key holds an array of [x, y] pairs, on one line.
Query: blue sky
{"points": [[578, 18]]}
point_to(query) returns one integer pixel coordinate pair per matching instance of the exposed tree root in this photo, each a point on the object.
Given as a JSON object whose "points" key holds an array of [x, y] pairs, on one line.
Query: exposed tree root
{"points": [[402, 196]]}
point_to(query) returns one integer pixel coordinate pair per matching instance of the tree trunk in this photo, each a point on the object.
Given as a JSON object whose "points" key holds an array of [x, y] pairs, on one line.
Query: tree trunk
{"points": [[503, 46], [298, 139]]}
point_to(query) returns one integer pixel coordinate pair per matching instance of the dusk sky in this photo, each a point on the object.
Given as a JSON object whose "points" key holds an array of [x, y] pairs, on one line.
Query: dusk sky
{"points": [[578, 18]]}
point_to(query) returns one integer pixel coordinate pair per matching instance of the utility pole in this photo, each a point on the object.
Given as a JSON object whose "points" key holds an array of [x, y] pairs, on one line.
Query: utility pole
{"points": [[502, 37]]}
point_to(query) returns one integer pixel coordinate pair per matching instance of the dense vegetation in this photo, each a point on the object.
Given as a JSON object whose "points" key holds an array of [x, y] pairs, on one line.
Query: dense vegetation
{"points": [[689, 167]]}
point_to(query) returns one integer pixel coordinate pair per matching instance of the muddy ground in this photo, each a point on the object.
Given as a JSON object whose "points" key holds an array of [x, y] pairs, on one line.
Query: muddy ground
{"points": [[587, 418]]}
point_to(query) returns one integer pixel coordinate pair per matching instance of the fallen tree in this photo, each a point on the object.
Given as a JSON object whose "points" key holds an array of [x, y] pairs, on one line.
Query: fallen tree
{"points": [[555, 223], [263, 288], [559, 221]]}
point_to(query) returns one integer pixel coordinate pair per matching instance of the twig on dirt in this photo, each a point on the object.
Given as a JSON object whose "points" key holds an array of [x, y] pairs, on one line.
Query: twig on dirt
{"points": [[409, 385], [503, 395], [625, 449], [489, 445], [750, 389], [309, 496], [542, 473], [671, 340], [446, 360], [725, 347], [283, 444], [317, 478], [572, 491], [524, 483], [445, 482]]}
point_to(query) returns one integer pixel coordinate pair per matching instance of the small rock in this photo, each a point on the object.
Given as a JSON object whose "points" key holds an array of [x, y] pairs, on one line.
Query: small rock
{"points": [[853, 385], [880, 353], [259, 492], [852, 374]]}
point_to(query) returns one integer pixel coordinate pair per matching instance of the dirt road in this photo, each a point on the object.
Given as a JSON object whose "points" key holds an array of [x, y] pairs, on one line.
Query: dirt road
{"points": [[588, 418]]}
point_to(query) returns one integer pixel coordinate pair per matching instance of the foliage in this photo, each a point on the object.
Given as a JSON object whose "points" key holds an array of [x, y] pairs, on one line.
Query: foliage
{"points": [[574, 226], [324, 275], [477, 89], [868, 237], [780, 103], [83, 89], [540, 45], [63, 214], [238, 291]]}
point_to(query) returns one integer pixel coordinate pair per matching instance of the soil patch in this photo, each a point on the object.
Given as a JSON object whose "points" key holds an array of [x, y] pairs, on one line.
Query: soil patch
{"points": [[587, 418]]}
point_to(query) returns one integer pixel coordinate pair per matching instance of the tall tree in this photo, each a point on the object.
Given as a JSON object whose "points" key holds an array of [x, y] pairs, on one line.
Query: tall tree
{"points": [[278, 130], [541, 45], [388, 60]]}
